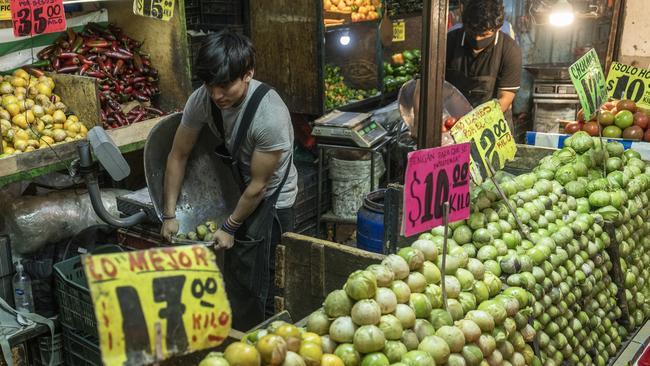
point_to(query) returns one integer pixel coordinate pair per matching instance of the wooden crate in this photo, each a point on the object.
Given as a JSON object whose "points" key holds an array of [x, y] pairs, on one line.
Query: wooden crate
{"points": [[308, 269]]}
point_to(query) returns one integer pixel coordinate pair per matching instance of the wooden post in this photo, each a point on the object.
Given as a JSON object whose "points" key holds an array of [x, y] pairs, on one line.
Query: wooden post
{"points": [[615, 32], [434, 30]]}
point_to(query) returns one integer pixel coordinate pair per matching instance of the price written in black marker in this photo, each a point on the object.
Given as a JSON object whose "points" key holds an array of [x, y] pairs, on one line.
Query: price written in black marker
{"points": [[629, 82], [433, 177], [33, 17]]}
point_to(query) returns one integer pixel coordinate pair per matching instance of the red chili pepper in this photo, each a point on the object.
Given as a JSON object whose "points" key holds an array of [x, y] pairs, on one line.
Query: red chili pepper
{"points": [[45, 52], [118, 55], [68, 69], [76, 45], [56, 64], [97, 43], [118, 67], [91, 57], [95, 74], [84, 60], [109, 65], [139, 117], [68, 55], [97, 50], [155, 110], [125, 51], [115, 46], [36, 72], [139, 96], [83, 69], [102, 64]]}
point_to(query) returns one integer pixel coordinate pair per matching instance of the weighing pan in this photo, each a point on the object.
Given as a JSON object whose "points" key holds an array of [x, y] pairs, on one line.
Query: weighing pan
{"points": [[209, 191]]}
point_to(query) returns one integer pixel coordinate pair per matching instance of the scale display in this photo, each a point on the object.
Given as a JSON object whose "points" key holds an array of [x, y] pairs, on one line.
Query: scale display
{"points": [[348, 128]]}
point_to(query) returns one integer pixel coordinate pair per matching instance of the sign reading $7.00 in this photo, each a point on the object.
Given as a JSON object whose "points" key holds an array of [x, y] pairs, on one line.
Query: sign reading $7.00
{"points": [[433, 177], [153, 304], [491, 141]]}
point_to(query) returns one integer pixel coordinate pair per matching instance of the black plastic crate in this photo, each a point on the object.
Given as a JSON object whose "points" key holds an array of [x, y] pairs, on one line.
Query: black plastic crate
{"points": [[72, 294], [80, 350]]}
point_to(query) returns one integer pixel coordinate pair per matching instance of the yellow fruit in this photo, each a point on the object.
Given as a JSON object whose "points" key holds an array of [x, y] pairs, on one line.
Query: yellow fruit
{"points": [[29, 103], [80, 137], [47, 133], [6, 87], [70, 133], [20, 145], [60, 105], [311, 337], [57, 125], [83, 129], [42, 100], [5, 126], [59, 135], [40, 126], [272, 349], [291, 334], [312, 353], [8, 99], [44, 89], [74, 127], [38, 110], [30, 148], [20, 134], [331, 360], [21, 73], [20, 120], [30, 116], [20, 96], [9, 150], [68, 139], [13, 109], [57, 99], [242, 354], [59, 116], [50, 108], [73, 118], [47, 119], [47, 140], [19, 82], [33, 143]]}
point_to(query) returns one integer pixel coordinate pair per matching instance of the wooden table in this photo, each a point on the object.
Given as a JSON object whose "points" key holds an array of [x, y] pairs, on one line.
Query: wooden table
{"points": [[32, 164]]}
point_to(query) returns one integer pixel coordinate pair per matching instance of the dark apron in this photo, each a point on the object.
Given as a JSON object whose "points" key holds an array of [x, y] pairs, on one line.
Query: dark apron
{"points": [[247, 264], [477, 89]]}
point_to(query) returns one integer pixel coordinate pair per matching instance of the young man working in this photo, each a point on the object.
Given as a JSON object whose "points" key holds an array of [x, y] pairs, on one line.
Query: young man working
{"points": [[482, 62], [254, 125]]}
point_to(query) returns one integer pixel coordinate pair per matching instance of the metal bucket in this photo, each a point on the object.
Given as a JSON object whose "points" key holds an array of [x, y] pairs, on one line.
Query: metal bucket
{"points": [[350, 177]]}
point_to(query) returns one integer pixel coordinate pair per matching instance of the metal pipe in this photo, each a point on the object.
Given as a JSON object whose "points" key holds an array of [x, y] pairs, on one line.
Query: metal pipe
{"points": [[86, 163]]}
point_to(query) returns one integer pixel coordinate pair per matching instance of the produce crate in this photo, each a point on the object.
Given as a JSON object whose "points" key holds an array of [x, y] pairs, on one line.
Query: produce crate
{"points": [[73, 296], [80, 350]]}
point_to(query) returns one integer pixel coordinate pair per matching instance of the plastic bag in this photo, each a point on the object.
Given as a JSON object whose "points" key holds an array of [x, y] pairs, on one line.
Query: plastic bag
{"points": [[34, 221]]}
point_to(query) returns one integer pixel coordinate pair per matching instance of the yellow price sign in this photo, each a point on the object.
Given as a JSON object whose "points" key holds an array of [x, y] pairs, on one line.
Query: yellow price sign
{"points": [[159, 9], [153, 304], [399, 31], [629, 82], [5, 10], [490, 138]]}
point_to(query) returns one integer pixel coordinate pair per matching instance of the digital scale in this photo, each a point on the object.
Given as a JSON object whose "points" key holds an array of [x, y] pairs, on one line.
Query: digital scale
{"points": [[348, 128]]}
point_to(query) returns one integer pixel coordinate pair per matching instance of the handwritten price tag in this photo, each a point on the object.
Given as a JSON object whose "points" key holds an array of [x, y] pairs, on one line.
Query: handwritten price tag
{"points": [[399, 31], [433, 177], [588, 78], [5, 10], [491, 141], [32, 17], [159, 9], [629, 82], [157, 303]]}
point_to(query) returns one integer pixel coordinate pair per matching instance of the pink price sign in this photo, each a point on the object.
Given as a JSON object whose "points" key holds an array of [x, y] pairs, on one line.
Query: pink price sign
{"points": [[433, 177]]}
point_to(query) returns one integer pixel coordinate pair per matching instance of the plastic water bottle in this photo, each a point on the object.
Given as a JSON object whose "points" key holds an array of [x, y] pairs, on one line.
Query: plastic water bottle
{"points": [[23, 290]]}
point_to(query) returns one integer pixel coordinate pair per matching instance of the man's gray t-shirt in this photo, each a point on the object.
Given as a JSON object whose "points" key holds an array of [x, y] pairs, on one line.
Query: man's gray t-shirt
{"points": [[270, 130]]}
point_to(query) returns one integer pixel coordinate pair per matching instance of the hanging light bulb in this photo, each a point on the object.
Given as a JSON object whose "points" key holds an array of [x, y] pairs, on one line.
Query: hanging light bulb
{"points": [[562, 14]]}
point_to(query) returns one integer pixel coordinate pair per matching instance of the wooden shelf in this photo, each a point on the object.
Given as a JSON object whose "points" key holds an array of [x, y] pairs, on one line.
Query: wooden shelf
{"points": [[32, 164]]}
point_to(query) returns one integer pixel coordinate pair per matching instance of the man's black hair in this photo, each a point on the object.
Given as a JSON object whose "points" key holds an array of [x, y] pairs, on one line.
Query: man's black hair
{"points": [[480, 16], [224, 57]]}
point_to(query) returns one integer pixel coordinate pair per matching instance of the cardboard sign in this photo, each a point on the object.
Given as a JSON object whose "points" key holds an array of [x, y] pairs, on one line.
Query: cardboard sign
{"points": [[433, 177], [399, 31], [5, 10], [490, 138], [159, 9], [31, 17], [588, 78], [153, 304], [629, 82]]}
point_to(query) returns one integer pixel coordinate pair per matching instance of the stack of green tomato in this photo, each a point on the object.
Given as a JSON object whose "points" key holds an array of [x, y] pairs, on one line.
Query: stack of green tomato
{"points": [[402, 68], [337, 93]]}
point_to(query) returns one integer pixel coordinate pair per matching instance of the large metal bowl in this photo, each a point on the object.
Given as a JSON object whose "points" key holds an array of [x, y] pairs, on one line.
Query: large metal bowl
{"points": [[209, 191]]}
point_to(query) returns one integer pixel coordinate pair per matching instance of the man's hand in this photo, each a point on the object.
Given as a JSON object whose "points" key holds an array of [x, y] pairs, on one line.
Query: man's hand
{"points": [[223, 240], [169, 229]]}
